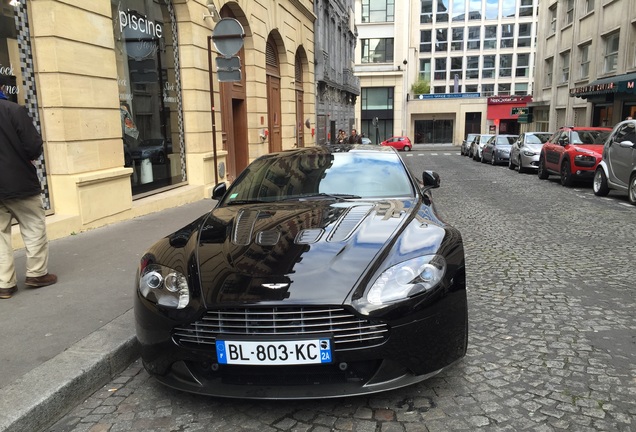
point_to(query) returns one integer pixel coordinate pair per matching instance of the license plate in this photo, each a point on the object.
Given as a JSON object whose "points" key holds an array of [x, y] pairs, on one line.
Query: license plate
{"points": [[274, 352]]}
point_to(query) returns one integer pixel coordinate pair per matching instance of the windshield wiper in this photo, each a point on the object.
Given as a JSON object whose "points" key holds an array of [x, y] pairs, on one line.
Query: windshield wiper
{"points": [[335, 196], [245, 201]]}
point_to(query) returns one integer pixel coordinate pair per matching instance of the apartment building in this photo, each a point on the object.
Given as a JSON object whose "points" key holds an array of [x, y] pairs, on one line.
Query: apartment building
{"points": [[586, 63], [131, 104], [477, 57]]}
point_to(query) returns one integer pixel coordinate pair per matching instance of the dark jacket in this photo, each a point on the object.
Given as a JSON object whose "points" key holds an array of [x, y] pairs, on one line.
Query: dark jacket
{"points": [[355, 139], [20, 143]]}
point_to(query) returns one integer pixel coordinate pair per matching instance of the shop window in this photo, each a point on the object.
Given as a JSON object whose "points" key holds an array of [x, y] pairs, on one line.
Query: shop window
{"points": [[148, 76]]}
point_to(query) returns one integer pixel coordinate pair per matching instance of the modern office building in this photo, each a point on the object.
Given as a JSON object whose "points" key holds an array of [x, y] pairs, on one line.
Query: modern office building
{"points": [[135, 115], [586, 63], [477, 57]]}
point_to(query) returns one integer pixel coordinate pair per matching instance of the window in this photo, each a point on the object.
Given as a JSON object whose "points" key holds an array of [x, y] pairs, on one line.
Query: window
{"points": [[427, 12], [474, 40], [487, 89], [569, 12], [503, 89], [456, 65], [457, 43], [525, 35], [505, 65], [565, 64], [377, 50], [442, 11], [472, 67], [439, 89], [584, 53], [521, 89], [611, 52], [425, 41], [440, 69], [471, 88], [589, 6], [548, 67], [490, 37], [378, 11], [553, 18], [376, 98], [492, 9], [523, 65], [425, 69], [488, 70], [508, 9], [526, 8], [441, 40], [459, 10], [507, 36]]}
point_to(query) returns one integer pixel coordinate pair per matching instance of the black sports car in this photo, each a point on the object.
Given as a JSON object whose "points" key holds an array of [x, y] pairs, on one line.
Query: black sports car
{"points": [[321, 272]]}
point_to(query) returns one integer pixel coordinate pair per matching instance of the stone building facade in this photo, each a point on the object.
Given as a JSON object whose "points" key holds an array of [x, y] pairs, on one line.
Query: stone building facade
{"points": [[121, 92]]}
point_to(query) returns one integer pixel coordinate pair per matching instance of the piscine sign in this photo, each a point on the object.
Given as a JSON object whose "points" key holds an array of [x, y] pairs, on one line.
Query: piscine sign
{"points": [[448, 95]]}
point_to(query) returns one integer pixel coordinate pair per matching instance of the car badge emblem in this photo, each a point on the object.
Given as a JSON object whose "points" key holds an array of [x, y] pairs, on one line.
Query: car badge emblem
{"points": [[275, 285]]}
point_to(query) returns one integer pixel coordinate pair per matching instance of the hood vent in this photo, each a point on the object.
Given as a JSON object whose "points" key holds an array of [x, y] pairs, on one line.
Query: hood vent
{"points": [[348, 222], [267, 238], [244, 227], [308, 236]]}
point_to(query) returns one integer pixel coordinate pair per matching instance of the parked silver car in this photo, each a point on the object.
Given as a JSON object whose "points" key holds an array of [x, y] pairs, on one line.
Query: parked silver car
{"points": [[497, 149], [526, 150], [478, 145], [465, 147], [617, 169]]}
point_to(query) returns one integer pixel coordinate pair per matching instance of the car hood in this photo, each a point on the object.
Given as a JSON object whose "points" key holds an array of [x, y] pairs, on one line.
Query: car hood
{"points": [[589, 148], [310, 253], [532, 147]]}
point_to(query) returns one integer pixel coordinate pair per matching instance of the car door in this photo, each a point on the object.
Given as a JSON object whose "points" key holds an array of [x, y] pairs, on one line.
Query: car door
{"points": [[555, 150], [621, 157], [516, 148]]}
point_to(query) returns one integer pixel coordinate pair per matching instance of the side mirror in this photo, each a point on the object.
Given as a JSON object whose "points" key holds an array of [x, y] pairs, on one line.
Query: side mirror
{"points": [[430, 179], [564, 141], [626, 144], [218, 191]]}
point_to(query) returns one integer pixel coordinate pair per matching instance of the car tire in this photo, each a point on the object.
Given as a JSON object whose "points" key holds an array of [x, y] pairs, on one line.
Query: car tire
{"points": [[511, 165], [521, 168], [599, 185], [483, 159], [542, 172], [406, 148], [566, 174], [631, 190], [493, 161]]}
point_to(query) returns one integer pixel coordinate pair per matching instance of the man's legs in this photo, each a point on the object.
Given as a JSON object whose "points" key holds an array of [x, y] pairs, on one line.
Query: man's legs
{"points": [[30, 215], [7, 268]]}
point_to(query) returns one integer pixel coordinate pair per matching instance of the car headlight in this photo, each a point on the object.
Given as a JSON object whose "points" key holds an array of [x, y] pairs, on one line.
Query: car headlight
{"points": [[584, 158], [407, 279], [164, 286], [529, 153]]}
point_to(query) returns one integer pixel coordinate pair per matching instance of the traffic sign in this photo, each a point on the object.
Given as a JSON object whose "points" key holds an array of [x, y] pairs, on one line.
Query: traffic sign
{"points": [[228, 36], [228, 68]]}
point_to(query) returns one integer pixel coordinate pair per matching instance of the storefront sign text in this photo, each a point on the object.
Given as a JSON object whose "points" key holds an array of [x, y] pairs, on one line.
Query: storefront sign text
{"points": [[509, 99], [606, 87], [138, 23]]}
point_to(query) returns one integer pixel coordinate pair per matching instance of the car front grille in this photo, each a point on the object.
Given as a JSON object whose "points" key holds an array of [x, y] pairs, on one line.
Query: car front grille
{"points": [[348, 331]]}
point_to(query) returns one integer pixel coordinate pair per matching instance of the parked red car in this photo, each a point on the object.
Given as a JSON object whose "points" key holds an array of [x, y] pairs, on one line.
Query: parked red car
{"points": [[573, 153], [398, 142]]}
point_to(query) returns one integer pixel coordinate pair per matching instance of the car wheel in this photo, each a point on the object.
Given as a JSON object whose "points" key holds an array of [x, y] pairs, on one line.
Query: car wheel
{"points": [[511, 165], [566, 174], [406, 148], [599, 186], [631, 192], [483, 159], [493, 161], [520, 165], [542, 172]]}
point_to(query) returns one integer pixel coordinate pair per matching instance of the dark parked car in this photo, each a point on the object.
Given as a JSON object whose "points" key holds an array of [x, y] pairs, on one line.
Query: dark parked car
{"points": [[573, 153], [321, 272], [154, 149], [497, 149], [477, 146], [617, 170]]}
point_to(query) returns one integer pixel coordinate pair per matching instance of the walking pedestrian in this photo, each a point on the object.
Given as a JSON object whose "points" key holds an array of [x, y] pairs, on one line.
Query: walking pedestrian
{"points": [[20, 145], [354, 138]]}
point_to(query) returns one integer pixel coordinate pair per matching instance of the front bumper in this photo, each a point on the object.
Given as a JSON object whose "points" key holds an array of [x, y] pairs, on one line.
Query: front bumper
{"points": [[416, 348]]}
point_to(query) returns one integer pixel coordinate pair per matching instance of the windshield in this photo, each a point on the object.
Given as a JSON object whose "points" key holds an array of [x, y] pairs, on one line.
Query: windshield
{"points": [[506, 140], [321, 174], [538, 138], [589, 137]]}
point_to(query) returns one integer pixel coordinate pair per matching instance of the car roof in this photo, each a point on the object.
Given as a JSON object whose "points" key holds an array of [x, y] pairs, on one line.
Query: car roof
{"points": [[585, 128]]}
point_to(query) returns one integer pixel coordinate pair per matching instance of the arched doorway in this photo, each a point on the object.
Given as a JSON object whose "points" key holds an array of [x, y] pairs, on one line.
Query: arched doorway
{"points": [[273, 96], [234, 113], [300, 111]]}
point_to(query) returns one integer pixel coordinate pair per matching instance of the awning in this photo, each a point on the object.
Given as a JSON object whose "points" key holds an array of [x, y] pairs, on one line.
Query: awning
{"points": [[625, 83]]}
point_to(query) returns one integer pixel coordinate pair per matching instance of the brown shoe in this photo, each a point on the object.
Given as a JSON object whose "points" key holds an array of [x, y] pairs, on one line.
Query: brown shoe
{"points": [[41, 281], [6, 293]]}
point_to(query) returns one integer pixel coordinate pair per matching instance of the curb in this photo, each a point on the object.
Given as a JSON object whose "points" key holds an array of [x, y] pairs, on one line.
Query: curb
{"points": [[39, 398]]}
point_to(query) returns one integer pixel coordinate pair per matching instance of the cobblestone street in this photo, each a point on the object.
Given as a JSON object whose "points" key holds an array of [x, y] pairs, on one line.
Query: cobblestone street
{"points": [[552, 343]]}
